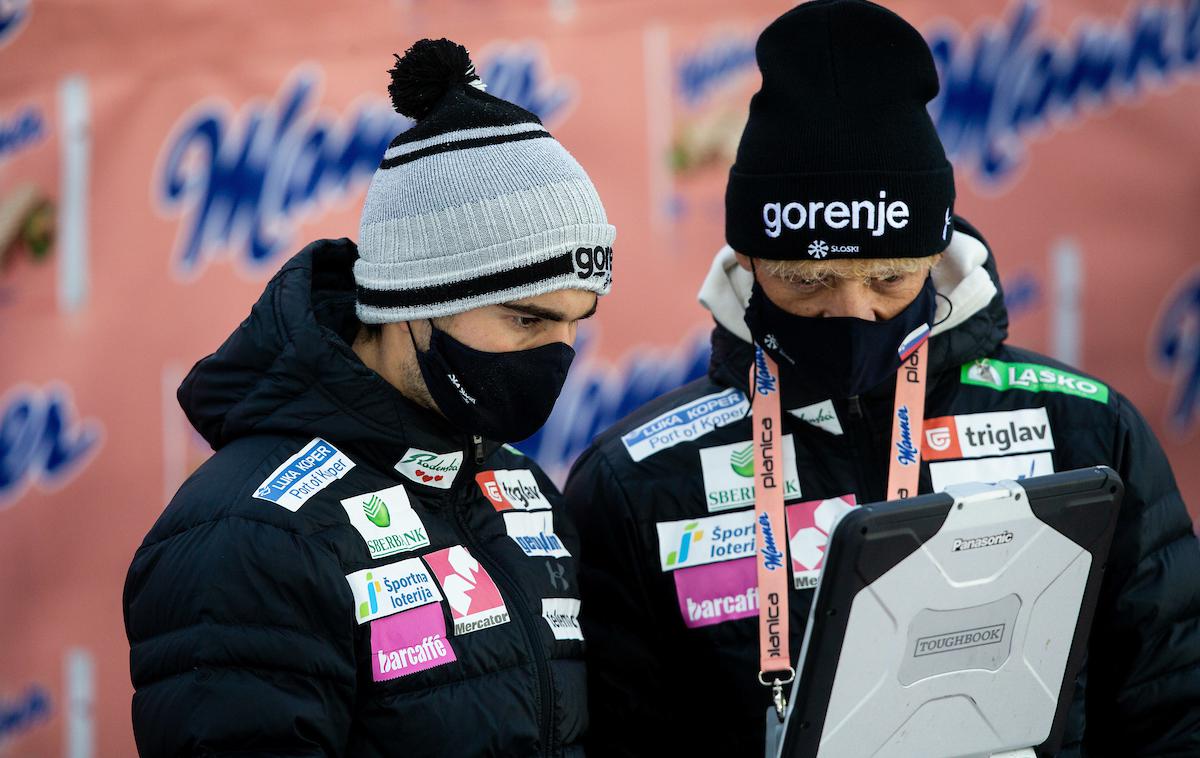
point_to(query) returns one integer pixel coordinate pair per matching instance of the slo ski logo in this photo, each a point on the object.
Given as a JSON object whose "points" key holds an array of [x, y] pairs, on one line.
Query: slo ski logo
{"points": [[742, 461], [386, 521], [809, 525], [690, 532], [376, 512], [1031, 377], [431, 469], [818, 249]]}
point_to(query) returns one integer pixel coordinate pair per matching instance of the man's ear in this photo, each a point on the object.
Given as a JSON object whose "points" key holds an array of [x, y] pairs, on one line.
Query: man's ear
{"points": [[743, 260]]}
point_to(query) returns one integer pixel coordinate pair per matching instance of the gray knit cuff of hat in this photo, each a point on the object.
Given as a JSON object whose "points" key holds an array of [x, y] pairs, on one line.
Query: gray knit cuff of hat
{"points": [[476, 205]]}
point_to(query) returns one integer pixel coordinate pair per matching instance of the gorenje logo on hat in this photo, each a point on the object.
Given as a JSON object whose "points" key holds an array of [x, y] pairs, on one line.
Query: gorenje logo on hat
{"points": [[877, 217]]}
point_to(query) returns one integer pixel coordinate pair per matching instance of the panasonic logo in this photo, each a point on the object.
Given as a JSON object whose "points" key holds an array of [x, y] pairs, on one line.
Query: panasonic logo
{"points": [[951, 641], [877, 217], [970, 543]]}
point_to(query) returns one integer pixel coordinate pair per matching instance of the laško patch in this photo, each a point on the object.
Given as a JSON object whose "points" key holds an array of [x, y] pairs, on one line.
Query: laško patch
{"points": [[809, 525], [717, 592], [474, 599], [431, 469], [409, 642]]}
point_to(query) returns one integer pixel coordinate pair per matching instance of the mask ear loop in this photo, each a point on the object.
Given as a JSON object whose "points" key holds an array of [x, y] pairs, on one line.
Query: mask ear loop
{"points": [[753, 361], [412, 338], [950, 312]]}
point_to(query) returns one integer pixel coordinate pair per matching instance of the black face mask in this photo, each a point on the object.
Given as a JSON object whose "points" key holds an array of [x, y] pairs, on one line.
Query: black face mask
{"points": [[836, 357], [503, 396]]}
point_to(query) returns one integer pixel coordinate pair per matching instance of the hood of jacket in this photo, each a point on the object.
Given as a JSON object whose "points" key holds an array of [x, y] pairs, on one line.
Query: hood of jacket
{"points": [[288, 369], [970, 320]]}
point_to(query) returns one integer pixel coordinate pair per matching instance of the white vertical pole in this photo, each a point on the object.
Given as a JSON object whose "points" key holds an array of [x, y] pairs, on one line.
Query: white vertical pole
{"points": [[75, 145], [1066, 323]]}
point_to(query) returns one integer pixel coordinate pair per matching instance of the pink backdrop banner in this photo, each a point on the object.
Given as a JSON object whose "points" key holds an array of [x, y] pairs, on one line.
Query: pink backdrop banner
{"points": [[159, 161]]}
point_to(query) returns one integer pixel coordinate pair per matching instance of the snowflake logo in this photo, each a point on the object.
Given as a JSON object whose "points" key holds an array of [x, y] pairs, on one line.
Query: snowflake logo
{"points": [[770, 343], [818, 249]]}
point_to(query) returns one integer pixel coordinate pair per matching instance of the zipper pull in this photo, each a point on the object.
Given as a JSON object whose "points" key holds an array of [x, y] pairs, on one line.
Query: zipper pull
{"points": [[855, 406], [477, 442]]}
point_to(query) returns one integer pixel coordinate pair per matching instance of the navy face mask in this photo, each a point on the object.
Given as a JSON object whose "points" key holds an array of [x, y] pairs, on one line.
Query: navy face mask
{"points": [[503, 396], [837, 357]]}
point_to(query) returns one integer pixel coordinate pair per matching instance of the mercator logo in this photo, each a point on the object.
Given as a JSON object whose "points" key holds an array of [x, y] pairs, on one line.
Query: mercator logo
{"points": [[876, 217]]}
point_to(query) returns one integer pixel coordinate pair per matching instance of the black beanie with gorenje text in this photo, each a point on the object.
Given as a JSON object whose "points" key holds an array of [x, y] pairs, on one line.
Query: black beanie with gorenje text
{"points": [[839, 158]]}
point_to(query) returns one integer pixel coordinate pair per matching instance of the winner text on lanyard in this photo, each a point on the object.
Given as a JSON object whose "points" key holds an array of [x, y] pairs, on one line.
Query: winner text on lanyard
{"points": [[904, 455]]}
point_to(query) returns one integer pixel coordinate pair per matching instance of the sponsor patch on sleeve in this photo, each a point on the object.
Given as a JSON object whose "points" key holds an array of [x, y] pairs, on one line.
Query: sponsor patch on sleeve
{"points": [[533, 531], [1031, 377], [409, 642], [392, 588], [717, 592], [685, 423], [809, 525], [990, 470], [729, 474], [474, 599], [980, 435], [508, 490], [562, 615], [713, 539], [387, 522], [305, 474]]}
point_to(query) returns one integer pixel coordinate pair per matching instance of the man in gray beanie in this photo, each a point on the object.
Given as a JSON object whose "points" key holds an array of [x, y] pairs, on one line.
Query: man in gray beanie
{"points": [[364, 567]]}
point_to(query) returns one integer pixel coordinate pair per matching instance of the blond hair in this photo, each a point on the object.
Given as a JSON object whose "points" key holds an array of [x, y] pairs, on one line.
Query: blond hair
{"points": [[858, 268]]}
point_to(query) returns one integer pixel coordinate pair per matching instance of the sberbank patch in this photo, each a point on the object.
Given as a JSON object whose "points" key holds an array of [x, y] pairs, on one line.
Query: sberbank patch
{"points": [[1031, 377]]}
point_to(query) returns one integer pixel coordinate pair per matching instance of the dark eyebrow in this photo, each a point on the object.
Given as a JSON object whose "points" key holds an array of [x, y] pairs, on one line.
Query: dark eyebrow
{"points": [[547, 314]]}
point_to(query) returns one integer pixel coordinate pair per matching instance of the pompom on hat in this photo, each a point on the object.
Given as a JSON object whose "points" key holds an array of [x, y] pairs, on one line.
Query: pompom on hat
{"points": [[476, 204]]}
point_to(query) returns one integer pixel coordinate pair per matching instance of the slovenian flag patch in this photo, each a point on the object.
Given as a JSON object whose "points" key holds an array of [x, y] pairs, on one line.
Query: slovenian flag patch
{"points": [[913, 341]]}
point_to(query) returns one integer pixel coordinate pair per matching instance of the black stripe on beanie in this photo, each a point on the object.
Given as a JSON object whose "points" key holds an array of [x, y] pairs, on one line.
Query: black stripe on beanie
{"points": [[446, 147], [560, 265]]}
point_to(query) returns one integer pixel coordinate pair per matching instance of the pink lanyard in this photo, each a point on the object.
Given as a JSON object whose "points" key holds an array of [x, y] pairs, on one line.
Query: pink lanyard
{"points": [[908, 420]]}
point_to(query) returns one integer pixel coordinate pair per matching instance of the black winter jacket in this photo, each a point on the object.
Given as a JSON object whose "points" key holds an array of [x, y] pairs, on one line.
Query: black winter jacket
{"points": [[259, 621], [673, 652]]}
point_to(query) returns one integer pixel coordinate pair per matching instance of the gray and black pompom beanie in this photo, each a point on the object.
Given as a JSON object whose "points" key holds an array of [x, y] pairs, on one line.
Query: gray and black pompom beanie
{"points": [[475, 205]]}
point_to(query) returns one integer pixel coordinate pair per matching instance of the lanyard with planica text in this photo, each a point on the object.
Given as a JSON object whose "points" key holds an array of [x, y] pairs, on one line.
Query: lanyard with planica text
{"points": [[904, 455]]}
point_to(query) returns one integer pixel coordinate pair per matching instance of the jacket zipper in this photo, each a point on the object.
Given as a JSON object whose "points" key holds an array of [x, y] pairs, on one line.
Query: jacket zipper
{"points": [[528, 623], [477, 447], [862, 463]]}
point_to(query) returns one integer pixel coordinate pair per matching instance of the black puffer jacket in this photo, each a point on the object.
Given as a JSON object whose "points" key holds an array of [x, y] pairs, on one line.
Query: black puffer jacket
{"points": [[261, 624], [673, 644]]}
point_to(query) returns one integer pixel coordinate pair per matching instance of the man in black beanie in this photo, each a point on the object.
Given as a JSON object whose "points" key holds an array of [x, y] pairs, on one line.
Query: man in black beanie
{"points": [[844, 262]]}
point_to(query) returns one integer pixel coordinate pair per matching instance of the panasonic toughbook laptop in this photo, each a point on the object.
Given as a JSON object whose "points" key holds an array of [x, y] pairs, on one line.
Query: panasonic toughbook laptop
{"points": [[953, 624]]}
